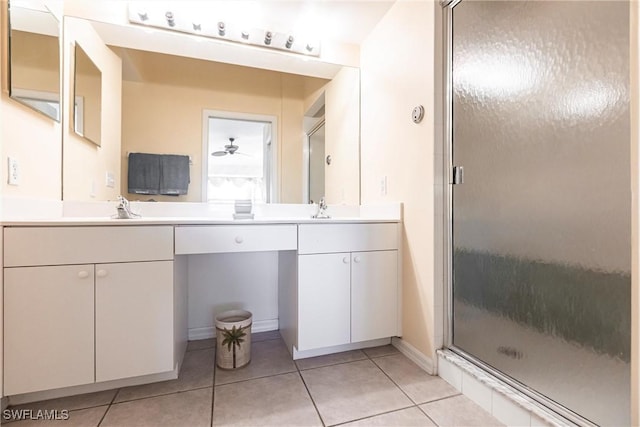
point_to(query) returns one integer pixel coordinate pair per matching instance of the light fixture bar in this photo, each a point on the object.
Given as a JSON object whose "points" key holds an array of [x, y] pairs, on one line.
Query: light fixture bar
{"points": [[144, 13]]}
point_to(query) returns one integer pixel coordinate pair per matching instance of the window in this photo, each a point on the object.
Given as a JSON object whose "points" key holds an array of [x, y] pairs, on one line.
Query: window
{"points": [[239, 157]]}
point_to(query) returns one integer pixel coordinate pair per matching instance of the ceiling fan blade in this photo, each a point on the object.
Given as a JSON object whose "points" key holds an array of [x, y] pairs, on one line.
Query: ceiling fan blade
{"points": [[219, 153], [243, 154]]}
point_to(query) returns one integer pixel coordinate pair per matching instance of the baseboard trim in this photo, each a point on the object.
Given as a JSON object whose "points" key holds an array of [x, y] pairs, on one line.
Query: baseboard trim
{"points": [[424, 362], [339, 348], [210, 331]]}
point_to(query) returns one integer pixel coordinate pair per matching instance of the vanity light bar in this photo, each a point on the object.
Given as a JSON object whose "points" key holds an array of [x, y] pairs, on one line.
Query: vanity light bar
{"points": [[221, 30]]}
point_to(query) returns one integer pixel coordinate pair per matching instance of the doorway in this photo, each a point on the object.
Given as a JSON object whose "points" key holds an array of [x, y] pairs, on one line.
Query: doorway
{"points": [[240, 157]]}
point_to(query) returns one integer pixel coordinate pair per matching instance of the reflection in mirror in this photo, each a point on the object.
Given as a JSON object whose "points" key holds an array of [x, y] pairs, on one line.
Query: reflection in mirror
{"points": [[316, 164], [35, 60], [163, 100], [87, 121], [239, 159]]}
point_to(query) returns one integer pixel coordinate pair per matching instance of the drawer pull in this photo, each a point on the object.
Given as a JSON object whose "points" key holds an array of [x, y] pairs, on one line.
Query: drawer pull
{"points": [[83, 274], [101, 273], [239, 239], [345, 260], [356, 259]]}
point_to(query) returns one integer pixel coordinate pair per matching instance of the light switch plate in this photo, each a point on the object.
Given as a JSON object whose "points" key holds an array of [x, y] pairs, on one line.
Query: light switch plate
{"points": [[110, 180], [383, 185], [13, 169]]}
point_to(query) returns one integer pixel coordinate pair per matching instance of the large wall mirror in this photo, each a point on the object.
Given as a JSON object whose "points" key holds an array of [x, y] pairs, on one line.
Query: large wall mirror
{"points": [[34, 49], [231, 155], [87, 108], [169, 80]]}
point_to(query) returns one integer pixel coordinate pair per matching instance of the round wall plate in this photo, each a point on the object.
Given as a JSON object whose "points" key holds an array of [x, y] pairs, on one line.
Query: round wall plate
{"points": [[417, 114]]}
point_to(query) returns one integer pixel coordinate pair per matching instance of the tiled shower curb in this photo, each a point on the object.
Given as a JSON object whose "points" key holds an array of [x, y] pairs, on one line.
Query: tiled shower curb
{"points": [[527, 404]]}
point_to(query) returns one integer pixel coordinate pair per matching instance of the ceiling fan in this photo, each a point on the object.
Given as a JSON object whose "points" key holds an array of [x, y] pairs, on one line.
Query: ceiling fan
{"points": [[230, 148]]}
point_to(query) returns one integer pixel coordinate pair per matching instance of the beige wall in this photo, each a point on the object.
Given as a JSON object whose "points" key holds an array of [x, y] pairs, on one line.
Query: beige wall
{"points": [[86, 164], [162, 113], [313, 89], [393, 146], [342, 138], [31, 138], [35, 62], [292, 137]]}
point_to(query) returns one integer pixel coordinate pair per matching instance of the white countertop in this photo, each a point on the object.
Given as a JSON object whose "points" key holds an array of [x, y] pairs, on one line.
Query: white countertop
{"points": [[17, 212], [102, 221]]}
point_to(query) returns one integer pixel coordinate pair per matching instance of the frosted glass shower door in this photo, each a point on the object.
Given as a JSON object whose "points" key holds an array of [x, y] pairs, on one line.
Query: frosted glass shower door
{"points": [[541, 224]]}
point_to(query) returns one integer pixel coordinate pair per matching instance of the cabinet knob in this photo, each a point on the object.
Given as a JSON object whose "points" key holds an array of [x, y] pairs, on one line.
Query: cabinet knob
{"points": [[239, 239], [356, 259], [101, 273], [345, 260], [83, 274]]}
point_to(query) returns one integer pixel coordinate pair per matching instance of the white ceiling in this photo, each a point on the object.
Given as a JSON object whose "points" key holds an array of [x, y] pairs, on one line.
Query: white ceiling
{"points": [[249, 137]]}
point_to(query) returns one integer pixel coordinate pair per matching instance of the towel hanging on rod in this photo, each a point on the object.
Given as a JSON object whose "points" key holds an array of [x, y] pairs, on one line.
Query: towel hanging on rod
{"points": [[167, 174]]}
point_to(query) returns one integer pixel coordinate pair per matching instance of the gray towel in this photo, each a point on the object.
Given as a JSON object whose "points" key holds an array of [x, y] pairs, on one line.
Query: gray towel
{"points": [[174, 174], [144, 173]]}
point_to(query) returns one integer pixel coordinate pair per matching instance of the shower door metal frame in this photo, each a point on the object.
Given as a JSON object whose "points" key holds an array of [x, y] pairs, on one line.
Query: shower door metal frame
{"points": [[447, 230]]}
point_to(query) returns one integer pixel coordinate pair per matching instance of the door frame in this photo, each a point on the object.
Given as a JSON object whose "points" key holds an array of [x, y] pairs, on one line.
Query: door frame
{"points": [[444, 200]]}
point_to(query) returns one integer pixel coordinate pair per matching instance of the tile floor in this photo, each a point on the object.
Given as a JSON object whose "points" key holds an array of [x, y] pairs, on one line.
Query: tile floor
{"points": [[371, 387]]}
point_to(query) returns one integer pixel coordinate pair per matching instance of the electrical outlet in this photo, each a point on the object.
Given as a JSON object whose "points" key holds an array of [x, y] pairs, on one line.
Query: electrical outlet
{"points": [[383, 186], [92, 188], [13, 171], [110, 180]]}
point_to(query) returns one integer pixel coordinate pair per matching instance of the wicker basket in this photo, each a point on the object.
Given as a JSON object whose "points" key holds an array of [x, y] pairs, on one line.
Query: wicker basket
{"points": [[233, 339]]}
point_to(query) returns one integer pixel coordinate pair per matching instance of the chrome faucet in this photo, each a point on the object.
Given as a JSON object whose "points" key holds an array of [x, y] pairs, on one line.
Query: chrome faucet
{"points": [[322, 210], [124, 209]]}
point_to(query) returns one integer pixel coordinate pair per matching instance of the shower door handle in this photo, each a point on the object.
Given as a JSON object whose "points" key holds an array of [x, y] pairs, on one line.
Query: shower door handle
{"points": [[458, 175]]}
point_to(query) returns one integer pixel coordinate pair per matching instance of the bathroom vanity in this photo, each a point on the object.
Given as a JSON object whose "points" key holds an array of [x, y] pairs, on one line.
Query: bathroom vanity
{"points": [[104, 302]]}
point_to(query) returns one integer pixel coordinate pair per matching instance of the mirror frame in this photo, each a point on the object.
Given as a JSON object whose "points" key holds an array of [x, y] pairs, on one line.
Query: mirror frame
{"points": [[78, 116]]}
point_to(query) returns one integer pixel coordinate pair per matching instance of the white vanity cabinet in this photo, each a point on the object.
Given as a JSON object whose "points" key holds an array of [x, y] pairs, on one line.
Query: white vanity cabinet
{"points": [[374, 295], [48, 327], [347, 284], [134, 319], [324, 295], [100, 310]]}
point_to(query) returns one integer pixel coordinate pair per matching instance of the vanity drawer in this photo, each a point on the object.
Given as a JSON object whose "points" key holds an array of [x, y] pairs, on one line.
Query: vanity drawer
{"points": [[327, 238], [30, 246], [196, 239]]}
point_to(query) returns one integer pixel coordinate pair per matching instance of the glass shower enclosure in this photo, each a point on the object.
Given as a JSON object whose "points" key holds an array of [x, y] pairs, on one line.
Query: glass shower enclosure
{"points": [[541, 215]]}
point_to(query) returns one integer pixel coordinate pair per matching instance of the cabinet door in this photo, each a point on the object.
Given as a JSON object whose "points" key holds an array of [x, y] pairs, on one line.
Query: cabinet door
{"points": [[48, 327], [134, 319], [374, 295], [323, 300]]}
